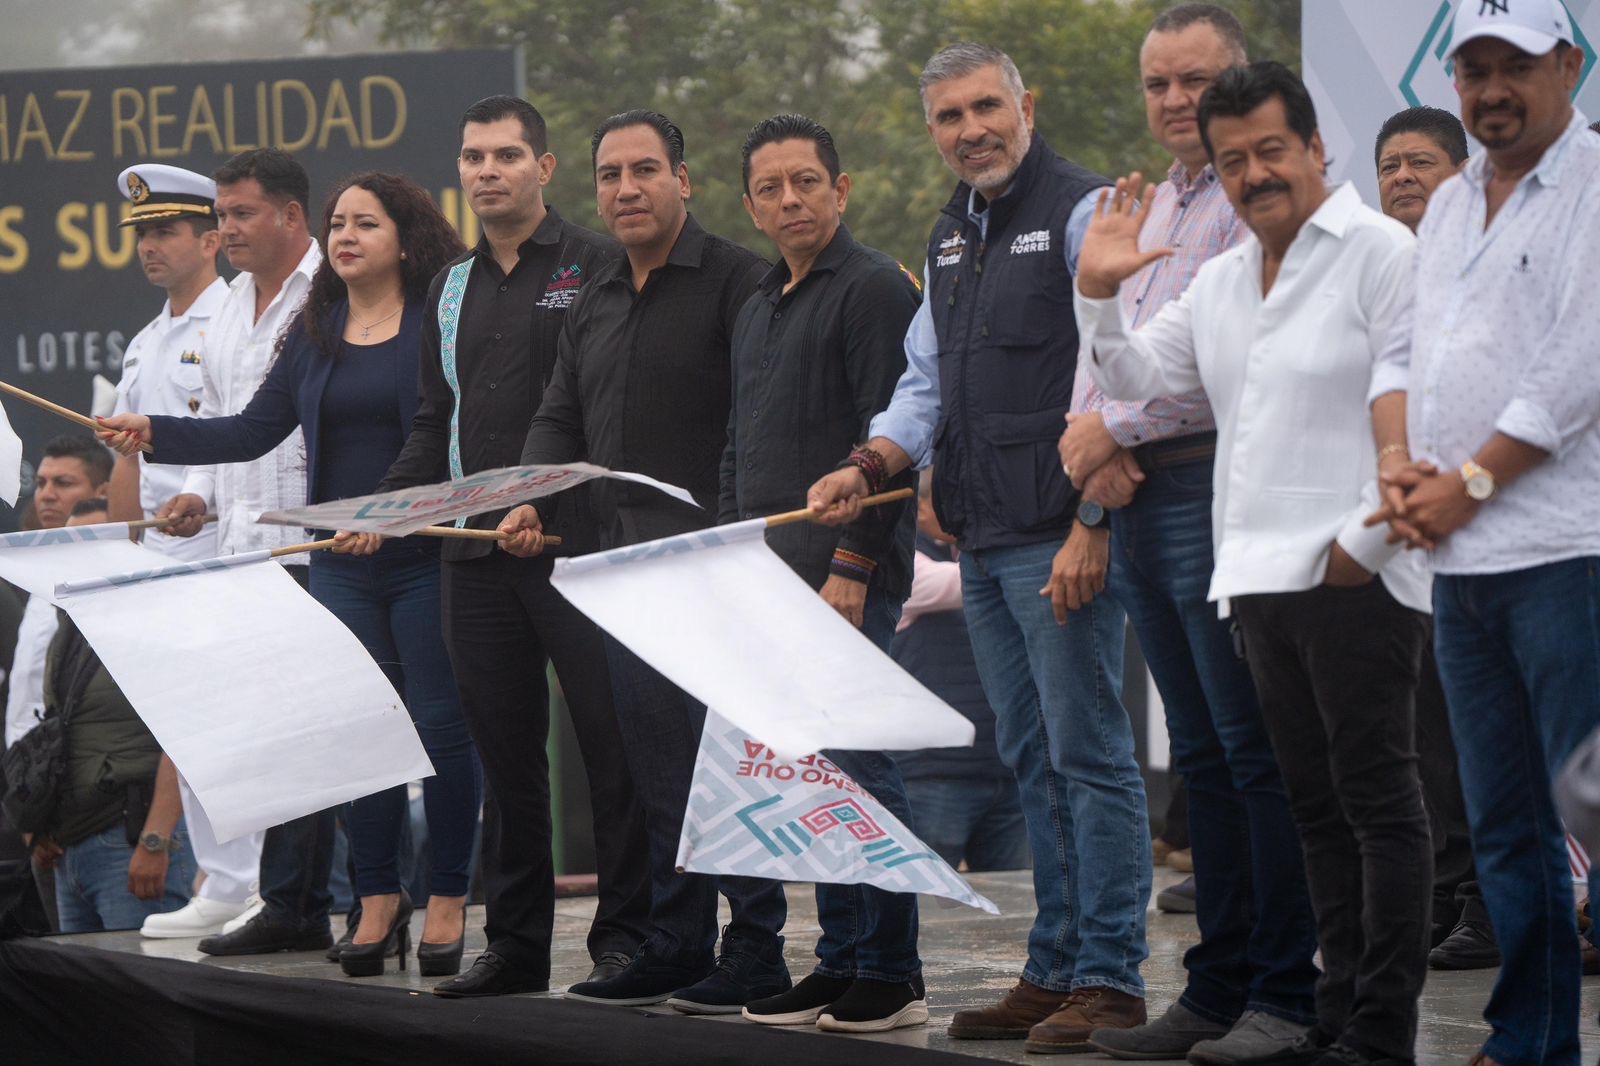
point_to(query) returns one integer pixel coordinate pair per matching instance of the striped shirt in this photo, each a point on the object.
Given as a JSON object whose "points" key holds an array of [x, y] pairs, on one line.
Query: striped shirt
{"points": [[1195, 220]]}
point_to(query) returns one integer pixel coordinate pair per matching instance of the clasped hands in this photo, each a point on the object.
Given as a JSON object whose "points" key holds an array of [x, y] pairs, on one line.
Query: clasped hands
{"points": [[1421, 504]]}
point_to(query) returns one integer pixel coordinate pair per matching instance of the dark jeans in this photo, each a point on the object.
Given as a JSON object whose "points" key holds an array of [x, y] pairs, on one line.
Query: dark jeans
{"points": [[390, 601], [867, 932], [1336, 670], [503, 623], [973, 819], [297, 856], [1175, 827], [1257, 934], [1453, 874], [1520, 656], [661, 727]]}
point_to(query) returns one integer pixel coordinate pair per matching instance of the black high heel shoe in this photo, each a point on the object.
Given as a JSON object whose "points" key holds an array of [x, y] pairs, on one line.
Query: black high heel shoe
{"points": [[366, 960], [442, 960]]}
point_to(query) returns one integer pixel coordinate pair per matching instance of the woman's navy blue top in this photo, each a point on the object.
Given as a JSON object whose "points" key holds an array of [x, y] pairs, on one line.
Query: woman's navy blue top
{"points": [[355, 409]]}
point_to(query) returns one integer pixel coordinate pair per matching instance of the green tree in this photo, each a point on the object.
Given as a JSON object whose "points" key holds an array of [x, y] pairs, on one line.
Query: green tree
{"points": [[718, 66]]}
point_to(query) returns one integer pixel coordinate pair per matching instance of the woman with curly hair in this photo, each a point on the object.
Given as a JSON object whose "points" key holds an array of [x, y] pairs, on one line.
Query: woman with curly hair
{"points": [[346, 373]]}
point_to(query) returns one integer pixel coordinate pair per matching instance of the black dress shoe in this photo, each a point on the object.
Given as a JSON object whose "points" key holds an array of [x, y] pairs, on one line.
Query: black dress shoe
{"points": [[265, 934], [491, 975], [1470, 946], [608, 965]]}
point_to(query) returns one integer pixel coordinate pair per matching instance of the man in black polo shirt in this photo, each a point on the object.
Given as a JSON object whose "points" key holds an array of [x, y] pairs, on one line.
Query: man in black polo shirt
{"points": [[816, 353], [642, 384], [488, 346]]}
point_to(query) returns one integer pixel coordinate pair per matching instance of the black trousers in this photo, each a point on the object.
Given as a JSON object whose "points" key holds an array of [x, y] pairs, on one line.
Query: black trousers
{"points": [[297, 856], [1336, 670], [1454, 875], [503, 622]]}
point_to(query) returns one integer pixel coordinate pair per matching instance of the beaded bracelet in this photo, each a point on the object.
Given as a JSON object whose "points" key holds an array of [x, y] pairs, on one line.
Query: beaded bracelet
{"points": [[873, 466], [851, 565]]}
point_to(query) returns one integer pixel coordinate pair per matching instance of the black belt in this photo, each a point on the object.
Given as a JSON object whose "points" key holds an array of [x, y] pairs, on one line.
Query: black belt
{"points": [[1176, 450]]}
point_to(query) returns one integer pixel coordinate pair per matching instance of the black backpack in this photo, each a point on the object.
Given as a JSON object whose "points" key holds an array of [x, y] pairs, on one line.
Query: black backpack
{"points": [[32, 769]]}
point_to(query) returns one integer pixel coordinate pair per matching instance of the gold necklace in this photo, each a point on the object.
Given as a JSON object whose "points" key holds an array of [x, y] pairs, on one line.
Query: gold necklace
{"points": [[366, 327]]}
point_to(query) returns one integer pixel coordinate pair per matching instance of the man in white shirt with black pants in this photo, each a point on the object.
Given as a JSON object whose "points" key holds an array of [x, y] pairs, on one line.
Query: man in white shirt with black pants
{"points": [[1282, 332], [1491, 387], [263, 209], [174, 216]]}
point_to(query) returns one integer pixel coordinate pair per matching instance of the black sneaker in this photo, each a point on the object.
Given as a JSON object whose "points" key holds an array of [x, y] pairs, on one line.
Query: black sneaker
{"points": [[876, 1007], [608, 965], [802, 1004], [1178, 898], [644, 981], [740, 977]]}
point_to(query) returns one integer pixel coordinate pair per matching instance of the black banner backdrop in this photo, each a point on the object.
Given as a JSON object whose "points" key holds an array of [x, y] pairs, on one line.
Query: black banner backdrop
{"points": [[71, 292]]}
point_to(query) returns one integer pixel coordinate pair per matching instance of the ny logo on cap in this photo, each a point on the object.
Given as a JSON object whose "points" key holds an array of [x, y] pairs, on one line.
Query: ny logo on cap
{"points": [[138, 191], [1494, 7]]}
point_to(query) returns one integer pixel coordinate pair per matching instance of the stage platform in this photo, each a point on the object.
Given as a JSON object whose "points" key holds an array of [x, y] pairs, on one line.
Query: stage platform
{"points": [[114, 997]]}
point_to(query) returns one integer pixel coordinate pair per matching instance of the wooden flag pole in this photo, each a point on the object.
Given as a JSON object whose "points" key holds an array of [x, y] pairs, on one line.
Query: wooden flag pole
{"points": [[426, 531], [473, 534], [308, 546], [70, 416], [806, 514]]}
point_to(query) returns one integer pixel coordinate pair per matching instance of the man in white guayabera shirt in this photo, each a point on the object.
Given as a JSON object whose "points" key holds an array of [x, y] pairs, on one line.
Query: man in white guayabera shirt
{"points": [[1282, 332], [262, 206], [1492, 387]]}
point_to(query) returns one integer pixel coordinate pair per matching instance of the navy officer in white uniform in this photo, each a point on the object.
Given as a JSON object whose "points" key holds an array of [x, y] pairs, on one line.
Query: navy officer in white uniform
{"points": [[176, 223], [174, 215]]}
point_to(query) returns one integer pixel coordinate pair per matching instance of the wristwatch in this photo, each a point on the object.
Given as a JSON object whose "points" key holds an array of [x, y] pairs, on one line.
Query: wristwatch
{"points": [[157, 842], [1094, 516], [1478, 481]]}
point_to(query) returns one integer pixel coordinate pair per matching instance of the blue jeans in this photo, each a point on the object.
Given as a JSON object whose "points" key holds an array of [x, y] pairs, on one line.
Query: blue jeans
{"points": [[390, 601], [92, 883], [977, 819], [1257, 933], [660, 726], [1061, 728], [1519, 654], [867, 932]]}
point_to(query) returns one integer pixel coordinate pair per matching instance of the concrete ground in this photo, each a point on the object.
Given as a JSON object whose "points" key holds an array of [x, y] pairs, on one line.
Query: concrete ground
{"points": [[969, 957]]}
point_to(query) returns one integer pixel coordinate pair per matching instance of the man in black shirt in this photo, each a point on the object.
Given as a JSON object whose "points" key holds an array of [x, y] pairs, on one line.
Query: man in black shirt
{"points": [[488, 346], [642, 383], [816, 353]]}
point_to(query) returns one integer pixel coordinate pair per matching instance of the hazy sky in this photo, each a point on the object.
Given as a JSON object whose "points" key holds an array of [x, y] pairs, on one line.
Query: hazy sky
{"points": [[74, 33]]}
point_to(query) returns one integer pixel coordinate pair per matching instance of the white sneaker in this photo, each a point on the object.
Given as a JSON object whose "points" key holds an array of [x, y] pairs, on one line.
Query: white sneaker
{"points": [[199, 917], [252, 907]]}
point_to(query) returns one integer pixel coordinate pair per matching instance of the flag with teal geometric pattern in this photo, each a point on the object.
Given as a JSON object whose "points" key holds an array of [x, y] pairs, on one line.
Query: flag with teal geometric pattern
{"points": [[755, 814]]}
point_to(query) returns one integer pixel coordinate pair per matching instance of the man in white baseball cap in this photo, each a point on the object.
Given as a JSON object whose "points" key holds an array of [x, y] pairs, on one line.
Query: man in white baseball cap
{"points": [[172, 212], [1487, 410]]}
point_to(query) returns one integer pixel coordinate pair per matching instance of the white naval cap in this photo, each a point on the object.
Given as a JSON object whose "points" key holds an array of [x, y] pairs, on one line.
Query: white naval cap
{"points": [[160, 191]]}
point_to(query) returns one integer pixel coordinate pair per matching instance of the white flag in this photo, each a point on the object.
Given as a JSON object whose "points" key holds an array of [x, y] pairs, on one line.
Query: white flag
{"points": [[404, 511], [10, 462], [727, 621], [755, 814], [267, 703]]}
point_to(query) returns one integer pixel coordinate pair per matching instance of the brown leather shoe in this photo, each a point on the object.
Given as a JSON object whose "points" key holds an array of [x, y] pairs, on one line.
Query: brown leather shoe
{"points": [[1023, 1007], [1066, 1032], [1480, 1059]]}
